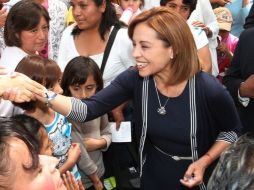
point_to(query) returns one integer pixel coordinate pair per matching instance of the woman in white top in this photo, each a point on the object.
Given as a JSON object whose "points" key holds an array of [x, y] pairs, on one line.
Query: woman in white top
{"points": [[26, 33], [88, 37]]}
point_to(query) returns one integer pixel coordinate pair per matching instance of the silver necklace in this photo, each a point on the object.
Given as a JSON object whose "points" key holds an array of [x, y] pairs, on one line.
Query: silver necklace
{"points": [[161, 110]]}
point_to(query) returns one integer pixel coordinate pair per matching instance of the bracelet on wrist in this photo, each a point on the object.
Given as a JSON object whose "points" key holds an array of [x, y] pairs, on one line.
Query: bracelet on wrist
{"points": [[50, 95]]}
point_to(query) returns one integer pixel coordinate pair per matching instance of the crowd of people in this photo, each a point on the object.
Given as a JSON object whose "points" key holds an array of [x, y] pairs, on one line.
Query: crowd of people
{"points": [[179, 70]]}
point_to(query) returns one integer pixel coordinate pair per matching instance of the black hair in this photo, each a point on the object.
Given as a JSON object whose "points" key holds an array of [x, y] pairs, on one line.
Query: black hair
{"points": [[77, 71], [109, 19], [191, 3], [9, 131], [32, 125]]}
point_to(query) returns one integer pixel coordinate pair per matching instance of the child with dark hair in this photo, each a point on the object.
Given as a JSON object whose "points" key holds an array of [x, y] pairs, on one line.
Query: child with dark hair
{"points": [[82, 79], [58, 128], [39, 132]]}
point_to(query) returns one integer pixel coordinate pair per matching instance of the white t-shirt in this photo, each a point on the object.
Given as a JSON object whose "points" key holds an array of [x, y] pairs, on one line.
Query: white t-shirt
{"points": [[199, 36], [204, 13], [119, 59], [10, 58]]}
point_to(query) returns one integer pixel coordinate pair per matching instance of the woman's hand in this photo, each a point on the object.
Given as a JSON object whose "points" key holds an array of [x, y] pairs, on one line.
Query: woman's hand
{"points": [[19, 88], [195, 173], [71, 183]]}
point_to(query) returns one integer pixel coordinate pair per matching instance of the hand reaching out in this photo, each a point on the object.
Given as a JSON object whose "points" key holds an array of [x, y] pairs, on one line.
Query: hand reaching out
{"points": [[19, 87]]}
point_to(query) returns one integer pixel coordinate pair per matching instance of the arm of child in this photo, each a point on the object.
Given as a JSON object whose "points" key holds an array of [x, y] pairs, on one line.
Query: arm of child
{"points": [[73, 156]]}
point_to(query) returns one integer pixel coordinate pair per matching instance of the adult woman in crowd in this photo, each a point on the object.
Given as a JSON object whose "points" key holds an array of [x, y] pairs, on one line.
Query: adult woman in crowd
{"points": [[95, 19], [177, 108], [26, 33]]}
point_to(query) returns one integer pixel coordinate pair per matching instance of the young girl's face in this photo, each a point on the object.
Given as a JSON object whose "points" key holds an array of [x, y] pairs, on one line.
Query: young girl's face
{"points": [[134, 4], [85, 90]]}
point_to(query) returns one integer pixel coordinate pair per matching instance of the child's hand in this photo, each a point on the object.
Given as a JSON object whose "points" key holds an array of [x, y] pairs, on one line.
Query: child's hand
{"points": [[71, 183], [74, 153], [204, 27]]}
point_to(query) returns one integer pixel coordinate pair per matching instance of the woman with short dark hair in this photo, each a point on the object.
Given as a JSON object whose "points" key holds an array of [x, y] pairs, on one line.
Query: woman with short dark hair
{"points": [[25, 33]]}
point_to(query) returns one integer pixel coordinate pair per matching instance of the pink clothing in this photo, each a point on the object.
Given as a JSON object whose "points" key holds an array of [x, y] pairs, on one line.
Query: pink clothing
{"points": [[231, 42], [223, 62]]}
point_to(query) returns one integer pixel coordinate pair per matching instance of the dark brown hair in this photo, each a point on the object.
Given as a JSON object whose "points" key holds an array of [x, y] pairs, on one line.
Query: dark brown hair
{"points": [[53, 73], [23, 16], [8, 132], [34, 67]]}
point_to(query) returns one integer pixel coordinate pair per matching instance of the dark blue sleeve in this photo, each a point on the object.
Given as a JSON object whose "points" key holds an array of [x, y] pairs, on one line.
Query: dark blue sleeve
{"points": [[119, 91], [222, 109]]}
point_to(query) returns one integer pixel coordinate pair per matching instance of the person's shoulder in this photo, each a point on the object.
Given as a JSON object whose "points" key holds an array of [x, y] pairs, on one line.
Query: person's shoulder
{"points": [[208, 81], [122, 34], [130, 73], [11, 56]]}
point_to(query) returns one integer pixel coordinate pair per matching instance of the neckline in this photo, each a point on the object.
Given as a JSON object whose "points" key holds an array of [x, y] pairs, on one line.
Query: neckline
{"points": [[164, 96]]}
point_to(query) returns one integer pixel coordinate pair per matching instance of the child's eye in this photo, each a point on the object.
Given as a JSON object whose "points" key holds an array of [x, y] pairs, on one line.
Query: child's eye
{"points": [[76, 88]]}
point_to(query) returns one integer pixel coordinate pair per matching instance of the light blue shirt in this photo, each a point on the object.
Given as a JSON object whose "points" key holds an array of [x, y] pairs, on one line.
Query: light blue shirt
{"points": [[239, 14]]}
